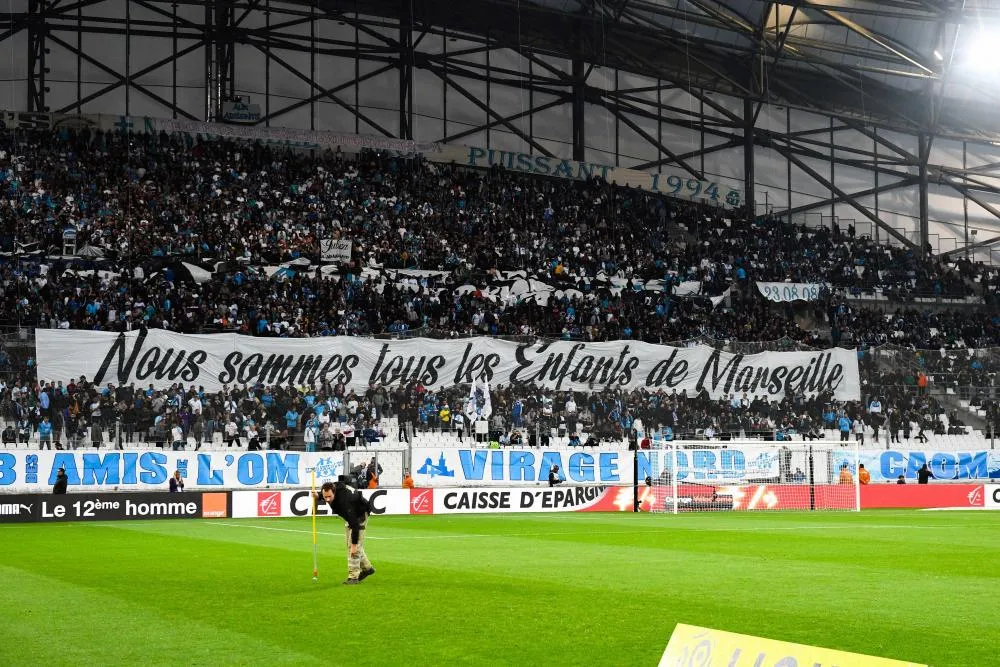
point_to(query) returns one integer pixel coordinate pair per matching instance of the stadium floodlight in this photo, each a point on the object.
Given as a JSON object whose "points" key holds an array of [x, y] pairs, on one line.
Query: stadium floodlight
{"points": [[712, 476], [982, 52]]}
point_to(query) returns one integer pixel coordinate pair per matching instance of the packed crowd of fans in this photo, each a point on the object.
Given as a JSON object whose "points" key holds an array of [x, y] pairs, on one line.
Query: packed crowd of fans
{"points": [[331, 416], [770, 250], [142, 200], [909, 327], [250, 220]]}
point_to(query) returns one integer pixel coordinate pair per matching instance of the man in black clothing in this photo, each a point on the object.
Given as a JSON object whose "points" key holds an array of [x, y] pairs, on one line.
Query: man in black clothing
{"points": [[62, 480], [924, 474], [554, 476], [348, 503]]}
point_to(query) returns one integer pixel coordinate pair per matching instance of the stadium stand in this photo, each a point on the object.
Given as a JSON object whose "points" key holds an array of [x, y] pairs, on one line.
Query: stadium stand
{"points": [[217, 236]]}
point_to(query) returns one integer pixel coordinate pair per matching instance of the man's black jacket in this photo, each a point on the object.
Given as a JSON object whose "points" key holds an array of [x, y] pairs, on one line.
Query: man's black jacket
{"points": [[351, 506]]}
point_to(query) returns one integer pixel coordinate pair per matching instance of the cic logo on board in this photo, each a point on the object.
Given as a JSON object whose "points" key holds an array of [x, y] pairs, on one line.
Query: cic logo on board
{"points": [[269, 503], [421, 501]]}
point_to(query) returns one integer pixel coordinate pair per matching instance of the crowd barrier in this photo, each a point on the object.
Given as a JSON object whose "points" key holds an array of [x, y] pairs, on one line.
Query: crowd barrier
{"points": [[290, 503], [438, 467]]}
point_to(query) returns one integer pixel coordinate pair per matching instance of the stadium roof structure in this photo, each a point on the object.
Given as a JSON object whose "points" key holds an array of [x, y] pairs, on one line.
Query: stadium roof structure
{"points": [[887, 62], [924, 67]]}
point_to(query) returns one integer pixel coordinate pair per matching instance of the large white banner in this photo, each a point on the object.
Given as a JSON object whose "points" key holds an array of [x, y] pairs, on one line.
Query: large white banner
{"points": [[785, 292], [162, 358], [150, 470]]}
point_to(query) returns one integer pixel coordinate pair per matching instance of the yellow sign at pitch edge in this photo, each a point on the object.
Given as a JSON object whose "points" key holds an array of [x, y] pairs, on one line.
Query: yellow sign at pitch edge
{"points": [[692, 646]]}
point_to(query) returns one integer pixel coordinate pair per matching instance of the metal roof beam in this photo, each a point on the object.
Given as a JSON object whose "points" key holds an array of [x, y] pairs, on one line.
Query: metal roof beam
{"points": [[323, 92], [968, 181], [122, 81], [974, 198], [652, 140], [683, 47], [906, 11], [728, 16], [869, 103], [801, 144], [443, 75], [644, 41], [856, 52], [505, 120], [678, 13], [992, 166], [845, 197], [678, 122], [78, 104], [645, 166], [326, 93], [660, 106], [945, 174], [874, 37], [972, 246], [772, 140], [876, 137], [905, 183], [55, 8]]}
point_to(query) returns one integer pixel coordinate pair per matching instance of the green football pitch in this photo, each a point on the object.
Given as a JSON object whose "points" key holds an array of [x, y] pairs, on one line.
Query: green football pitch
{"points": [[539, 589]]}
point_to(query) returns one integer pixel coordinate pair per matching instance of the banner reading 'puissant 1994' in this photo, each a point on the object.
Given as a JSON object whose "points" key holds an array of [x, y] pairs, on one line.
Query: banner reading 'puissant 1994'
{"points": [[162, 358]]}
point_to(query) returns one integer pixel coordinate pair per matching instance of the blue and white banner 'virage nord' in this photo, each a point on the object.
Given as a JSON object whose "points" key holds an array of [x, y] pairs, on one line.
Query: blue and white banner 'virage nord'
{"points": [[438, 467], [732, 465], [887, 465], [162, 358], [35, 471]]}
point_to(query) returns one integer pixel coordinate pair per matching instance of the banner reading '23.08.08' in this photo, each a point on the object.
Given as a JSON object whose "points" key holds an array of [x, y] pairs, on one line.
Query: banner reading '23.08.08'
{"points": [[162, 358]]}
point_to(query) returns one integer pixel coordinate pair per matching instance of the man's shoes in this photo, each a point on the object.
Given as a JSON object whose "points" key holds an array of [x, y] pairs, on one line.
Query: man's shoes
{"points": [[351, 582], [366, 573]]}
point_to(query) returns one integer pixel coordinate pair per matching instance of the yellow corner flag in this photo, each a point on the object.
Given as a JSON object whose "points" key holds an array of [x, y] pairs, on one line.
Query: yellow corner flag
{"points": [[314, 500]]}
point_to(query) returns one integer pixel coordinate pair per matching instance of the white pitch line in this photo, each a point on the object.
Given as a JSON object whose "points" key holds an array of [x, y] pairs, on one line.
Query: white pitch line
{"points": [[280, 530], [546, 533], [427, 537], [656, 529], [952, 509]]}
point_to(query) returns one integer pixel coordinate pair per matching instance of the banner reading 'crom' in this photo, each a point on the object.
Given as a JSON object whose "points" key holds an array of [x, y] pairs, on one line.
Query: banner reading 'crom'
{"points": [[162, 358]]}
